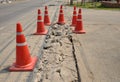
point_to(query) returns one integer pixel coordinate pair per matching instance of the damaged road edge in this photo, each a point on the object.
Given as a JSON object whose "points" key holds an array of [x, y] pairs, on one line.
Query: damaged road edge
{"points": [[74, 55]]}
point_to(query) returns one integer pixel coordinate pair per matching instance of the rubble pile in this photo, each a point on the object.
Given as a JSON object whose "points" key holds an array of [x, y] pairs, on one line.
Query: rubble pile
{"points": [[57, 63]]}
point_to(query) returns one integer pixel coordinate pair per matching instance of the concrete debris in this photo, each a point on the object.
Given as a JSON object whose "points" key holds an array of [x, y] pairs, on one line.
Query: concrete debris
{"points": [[48, 37], [58, 63], [47, 45]]}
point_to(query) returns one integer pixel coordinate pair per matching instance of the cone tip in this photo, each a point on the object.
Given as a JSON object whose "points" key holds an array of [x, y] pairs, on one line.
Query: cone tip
{"points": [[18, 27], [39, 12], [45, 7], [74, 7], [61, 7], [79, 10]]}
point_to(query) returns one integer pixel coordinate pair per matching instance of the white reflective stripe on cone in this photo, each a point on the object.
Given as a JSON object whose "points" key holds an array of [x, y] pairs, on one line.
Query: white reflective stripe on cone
{"points": [[61, 13], [39, 15], [79, 19], [74, 15], [21, 44], [46, 14], [39, 20], [19, 33], [79, 14]]}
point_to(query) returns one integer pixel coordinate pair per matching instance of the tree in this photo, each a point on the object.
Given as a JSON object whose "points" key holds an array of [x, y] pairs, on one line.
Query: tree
{"points": [[71, 2]]}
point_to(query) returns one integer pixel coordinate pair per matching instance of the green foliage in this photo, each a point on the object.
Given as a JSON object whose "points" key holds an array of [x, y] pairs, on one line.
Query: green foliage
{"points": [[93, 5]]}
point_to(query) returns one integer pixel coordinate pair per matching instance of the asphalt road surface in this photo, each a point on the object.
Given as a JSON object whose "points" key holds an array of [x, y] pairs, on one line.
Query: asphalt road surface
{"points": [[11, 12]]}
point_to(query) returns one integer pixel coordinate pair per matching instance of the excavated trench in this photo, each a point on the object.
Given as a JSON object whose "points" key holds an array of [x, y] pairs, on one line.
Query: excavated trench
{"points": [[58, 62]]}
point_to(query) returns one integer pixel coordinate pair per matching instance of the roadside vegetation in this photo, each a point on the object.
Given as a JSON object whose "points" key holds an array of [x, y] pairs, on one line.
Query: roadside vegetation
{"points": [[93, 5]]}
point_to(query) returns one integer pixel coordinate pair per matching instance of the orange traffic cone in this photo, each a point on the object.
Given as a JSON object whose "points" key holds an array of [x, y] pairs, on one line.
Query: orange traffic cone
{"points": [[79, 27], [40, 25], [46, 17], [74, 18], [61, 16], [24, 62]]}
